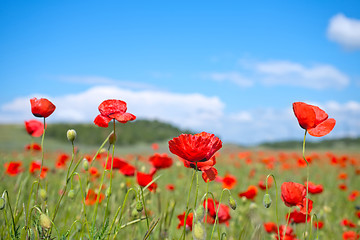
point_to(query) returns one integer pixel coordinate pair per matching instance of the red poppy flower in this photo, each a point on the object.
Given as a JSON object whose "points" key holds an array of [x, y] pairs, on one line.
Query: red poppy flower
{"points": [[347, 223], [358, 213], [342, 186], [91, 197], [353, 195], [128, 170], [34, 127], [319, 224], [94, 172], [195, 148], [189, 220], [61, 160], [288, 231], [297, 217], [229, 181], [313, 119], [13, 168], [144, 179], [209, 173], [350, 235], [342, 176], [155, 146], [170, 187], [293, 194], [35, 166], [33, 146], [118, 163], [250, 193], [41, 107], [161, 161], [113, 109], [223, 215], [270, 227], [315, 188]]}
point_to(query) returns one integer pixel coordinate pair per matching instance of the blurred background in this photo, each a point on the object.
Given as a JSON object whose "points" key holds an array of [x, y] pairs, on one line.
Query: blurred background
{"points": [[231, 68]]}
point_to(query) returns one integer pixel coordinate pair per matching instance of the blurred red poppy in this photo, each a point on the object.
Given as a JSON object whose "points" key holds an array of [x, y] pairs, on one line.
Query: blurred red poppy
{"points": [[315, 188], [294, 194], [250, 193], [297, 217], [170, 187], [189, 220], [161, 161], [144, 179], [229, 181], [33, 146], [347, 223], [91, 197], [313, 119], [61, 160], [319, 224], [353, 195], [113, 109], [350, 235], [195, 148], [155, 146], [118, 163], [36, 166], [223, 215], [13, 168], [270, 227], [286, 233], [41, 107], [34, 127]]}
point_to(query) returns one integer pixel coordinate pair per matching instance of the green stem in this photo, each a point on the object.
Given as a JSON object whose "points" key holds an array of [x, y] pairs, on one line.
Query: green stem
{"points": [[287, 223], [276, 200], [197, 185], [42, 161], [11, 213], [307, 185], [317, 226], [217, 213], [143, 200], [187, 202]]}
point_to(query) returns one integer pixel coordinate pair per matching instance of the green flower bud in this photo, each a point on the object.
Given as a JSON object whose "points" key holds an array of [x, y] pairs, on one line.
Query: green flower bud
{"points": [[139, 206], [71, 194], [199, 213], [134, 213], [112, 138], [71, 135], [2, 203], [85, 164], [267, 200], [199, 231], [232, 203], [43, 194], [45, 221]]}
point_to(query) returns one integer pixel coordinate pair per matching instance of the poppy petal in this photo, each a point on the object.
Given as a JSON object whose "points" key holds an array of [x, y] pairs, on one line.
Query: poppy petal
{"points": [[209, 174], [323, 128], [102, 121], [111, 106], [305, 114], [320, 114], [123, 117]]}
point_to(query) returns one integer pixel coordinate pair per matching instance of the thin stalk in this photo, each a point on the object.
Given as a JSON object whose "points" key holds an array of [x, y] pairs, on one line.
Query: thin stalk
{"points": [[11, 213], [317, 226], [307, 185], [287, 223], [42, 161], [217, 212], [187, 202], [197, 185], [276, 200], [143, 200]]}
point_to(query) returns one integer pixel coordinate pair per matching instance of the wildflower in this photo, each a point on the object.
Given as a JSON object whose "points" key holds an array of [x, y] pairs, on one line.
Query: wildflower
{"points": [[229, 181], [319, 224], [250, 193], [189, 220], [270, 227], [41, 107], [315, 188], [170, 187], [113, 109], [350, 235], [61, 160], [297, 216], [161, 161], [91, 197], [294, 194], [313, 119], [195, 148], [33, 146], [13, 168], [35, 166], [71, 135], [223, 215], [347, 223], [34, 127], [144, 179]]}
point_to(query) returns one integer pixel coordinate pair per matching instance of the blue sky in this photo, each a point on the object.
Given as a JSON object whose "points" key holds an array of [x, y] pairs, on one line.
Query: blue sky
{"points": [[228, 67]]}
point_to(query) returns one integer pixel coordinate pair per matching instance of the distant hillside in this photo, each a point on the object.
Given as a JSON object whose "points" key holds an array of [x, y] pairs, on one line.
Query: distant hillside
{"points": [[338, 144], [139, 131]]}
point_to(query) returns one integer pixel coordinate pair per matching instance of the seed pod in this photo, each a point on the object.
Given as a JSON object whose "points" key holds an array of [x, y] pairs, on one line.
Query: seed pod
{"points": [[199, 213], [112, 138], [267, 200], [139, 206], [43, 194], [71, 194], [199, 231], [45, 221], [71, 135], [85, 164], [232, 203]]}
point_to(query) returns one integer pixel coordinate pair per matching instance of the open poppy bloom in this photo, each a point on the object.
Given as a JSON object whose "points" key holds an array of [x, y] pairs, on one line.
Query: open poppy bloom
{"points": [[34, 127], [294, 194], [195, 148], [33, 146], [250, 193], [36, 166], [313, 119], [189, 220], [144, 179], [223, 215], [91, 197], [297, 217], [350, 235], [315, 188], [41, 107], [270, 227], [13, 168], [61, 160], [229, 181], [113, 109], [161, 161], [209, 173]]}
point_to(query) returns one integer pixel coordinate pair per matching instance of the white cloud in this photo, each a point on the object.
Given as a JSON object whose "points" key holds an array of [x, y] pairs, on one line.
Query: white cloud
{"points": [[294, 74], [345, 31], [233, 77], [194, 111]]}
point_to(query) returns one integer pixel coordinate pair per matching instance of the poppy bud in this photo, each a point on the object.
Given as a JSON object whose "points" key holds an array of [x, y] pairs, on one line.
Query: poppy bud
{"points": [[71, 135], [267, 200], [139, 206], [85, 164], [199, 231], [45, 221], [199, 213], [43, 194], [112, 138], [71, 194], [223, 236], [232, 203], [134, 213], [2, 203]]}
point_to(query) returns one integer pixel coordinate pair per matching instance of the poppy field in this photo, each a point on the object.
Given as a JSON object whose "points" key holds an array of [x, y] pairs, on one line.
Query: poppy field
{"points": [[191, 187]]}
